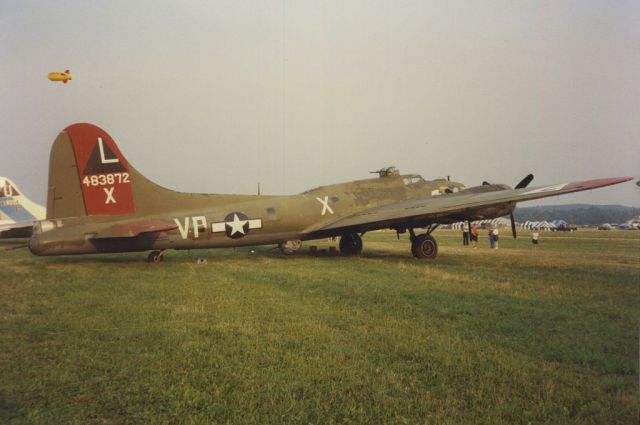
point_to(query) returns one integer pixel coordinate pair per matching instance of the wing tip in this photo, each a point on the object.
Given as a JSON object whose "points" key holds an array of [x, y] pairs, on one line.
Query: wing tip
{"points": [[592, 184]]}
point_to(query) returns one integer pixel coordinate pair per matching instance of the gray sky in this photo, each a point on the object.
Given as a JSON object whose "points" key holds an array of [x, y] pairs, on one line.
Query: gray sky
{"points": [[215, 96]]}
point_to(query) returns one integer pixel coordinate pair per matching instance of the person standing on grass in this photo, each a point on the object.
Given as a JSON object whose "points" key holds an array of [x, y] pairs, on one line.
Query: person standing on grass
{"points": [[492, 242], [534, 238], [465, 233], [474, 235], [495, 233]]}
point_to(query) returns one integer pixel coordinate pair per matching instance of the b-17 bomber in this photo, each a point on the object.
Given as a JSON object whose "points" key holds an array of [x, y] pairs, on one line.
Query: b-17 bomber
{"points": [[98, 203]]}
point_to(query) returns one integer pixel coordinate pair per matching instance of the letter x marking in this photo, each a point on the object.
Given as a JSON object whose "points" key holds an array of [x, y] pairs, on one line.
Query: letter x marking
{"points": [[325, 205], [110, 198]]}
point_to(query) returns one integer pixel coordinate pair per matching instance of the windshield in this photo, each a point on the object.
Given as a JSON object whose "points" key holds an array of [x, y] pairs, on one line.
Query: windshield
{"points": [[412, 180]]}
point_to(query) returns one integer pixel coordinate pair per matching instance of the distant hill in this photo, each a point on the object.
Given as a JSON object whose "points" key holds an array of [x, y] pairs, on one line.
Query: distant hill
{"points": [[577, 213]]}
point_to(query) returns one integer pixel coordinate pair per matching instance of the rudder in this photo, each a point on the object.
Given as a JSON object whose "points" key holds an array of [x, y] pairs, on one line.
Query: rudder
{"points": [[88, 175]]}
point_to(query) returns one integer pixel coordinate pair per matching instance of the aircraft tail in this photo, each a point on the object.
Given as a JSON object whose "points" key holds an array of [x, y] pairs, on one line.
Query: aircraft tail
{"points": [[89, 176], [15, 207]]}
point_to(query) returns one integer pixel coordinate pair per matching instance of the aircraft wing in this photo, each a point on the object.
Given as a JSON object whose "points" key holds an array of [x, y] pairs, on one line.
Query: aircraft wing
{"points": [[444, 208], [134, 228]]}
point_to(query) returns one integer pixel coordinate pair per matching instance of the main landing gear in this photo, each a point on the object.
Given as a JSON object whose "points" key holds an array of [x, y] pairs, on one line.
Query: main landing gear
{"points": [[424, 245], [155, 257], [350, 244]]}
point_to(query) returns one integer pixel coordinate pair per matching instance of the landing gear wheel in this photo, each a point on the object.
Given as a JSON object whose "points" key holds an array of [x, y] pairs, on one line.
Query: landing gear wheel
{"points": [[155, 257], [350, 244], [424, 246], [290, 247]]}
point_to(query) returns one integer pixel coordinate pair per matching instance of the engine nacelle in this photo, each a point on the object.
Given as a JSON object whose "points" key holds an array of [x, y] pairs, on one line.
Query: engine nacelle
{"points": [[494, 211]]}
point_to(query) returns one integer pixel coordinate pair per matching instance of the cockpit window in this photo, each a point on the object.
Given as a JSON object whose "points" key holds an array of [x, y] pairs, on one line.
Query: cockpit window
{"points": [[412, 180]]}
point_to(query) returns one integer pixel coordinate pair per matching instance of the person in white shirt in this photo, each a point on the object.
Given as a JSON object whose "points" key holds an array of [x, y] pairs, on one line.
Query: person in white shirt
{"points": [[465, 233], [534, 238]]}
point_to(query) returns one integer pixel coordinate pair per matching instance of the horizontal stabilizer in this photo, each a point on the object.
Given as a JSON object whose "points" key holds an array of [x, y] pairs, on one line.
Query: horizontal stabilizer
{"points": [[21, 229]]}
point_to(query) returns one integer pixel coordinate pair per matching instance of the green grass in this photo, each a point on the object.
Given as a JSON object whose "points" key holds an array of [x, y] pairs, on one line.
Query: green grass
{"points": [[477, 336]]}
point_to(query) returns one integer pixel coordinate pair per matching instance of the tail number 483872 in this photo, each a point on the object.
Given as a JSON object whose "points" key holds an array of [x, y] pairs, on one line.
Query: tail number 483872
{"points": [[105, 179]]}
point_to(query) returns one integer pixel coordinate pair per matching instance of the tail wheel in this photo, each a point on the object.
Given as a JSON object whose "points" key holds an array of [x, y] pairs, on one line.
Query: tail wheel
{"points": [[290, 247], [350, 244], [155, 257], [424, 246]]}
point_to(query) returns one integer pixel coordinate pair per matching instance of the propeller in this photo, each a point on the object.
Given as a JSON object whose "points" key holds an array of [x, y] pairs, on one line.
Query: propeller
{"points": [[523, 183], [513, 225]]}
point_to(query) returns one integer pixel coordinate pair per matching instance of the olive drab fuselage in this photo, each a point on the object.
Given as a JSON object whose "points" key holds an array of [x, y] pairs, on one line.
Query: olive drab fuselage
{"points": [[258, 220], [97, 202]]}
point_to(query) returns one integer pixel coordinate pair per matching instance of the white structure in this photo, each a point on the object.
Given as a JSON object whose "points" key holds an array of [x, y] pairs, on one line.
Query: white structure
{"points": [[499, 222], [633, 224], [538, 225]]}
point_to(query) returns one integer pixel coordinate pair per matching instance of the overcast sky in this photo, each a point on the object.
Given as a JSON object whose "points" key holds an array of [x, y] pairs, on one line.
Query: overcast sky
{"points": [[216, 96]]}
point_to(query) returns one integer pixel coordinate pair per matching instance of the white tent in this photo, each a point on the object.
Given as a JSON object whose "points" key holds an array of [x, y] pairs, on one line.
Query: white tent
{"points": [[538, 225], [499, 222]]}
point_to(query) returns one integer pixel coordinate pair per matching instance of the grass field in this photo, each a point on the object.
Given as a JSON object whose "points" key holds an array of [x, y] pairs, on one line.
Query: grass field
{"points": [[477, 336]]}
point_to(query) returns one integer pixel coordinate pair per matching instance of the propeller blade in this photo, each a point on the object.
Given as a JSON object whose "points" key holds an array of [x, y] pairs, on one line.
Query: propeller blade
{"points": [[524, 182]]}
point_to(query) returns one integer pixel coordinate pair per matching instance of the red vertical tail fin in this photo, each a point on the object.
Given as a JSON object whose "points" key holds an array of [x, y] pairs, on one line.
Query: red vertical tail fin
{"points": [[88, 175]]}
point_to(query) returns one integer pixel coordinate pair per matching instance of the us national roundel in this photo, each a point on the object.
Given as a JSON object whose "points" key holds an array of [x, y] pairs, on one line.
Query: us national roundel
{"points": [[103, 171], [236, 225]]}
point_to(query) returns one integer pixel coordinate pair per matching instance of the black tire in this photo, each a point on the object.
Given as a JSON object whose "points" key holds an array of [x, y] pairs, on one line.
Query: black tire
{"points": [[155, 257], [350, 244], [424, 246]]}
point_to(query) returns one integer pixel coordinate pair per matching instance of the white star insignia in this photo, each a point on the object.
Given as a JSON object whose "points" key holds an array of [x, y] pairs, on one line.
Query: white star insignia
{"points": [[237, 225]]}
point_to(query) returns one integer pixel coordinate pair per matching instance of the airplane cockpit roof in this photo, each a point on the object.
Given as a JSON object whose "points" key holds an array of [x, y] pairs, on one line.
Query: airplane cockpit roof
{"points": [[412, 179]]}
